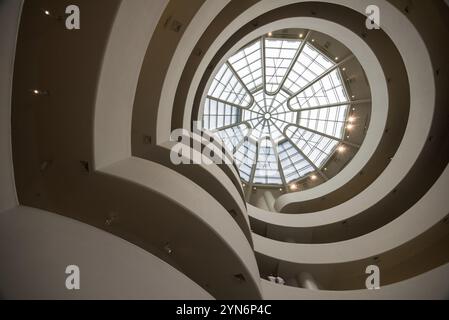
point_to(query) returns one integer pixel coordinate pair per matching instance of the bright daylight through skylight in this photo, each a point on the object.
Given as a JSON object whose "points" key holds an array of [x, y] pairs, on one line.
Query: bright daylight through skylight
{"points": [[280, 106]]}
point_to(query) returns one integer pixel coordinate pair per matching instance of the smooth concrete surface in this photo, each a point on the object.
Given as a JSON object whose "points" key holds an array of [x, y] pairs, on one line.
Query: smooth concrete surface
{"points": [[193, 33], [110, 267], [52, 240], [130, 35], [425, 286], [9, 23], [178, 189], [427, 212]]}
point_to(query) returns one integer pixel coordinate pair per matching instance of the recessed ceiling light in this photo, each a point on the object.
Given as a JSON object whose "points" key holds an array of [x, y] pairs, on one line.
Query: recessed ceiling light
{"points": [[344, 69], [349, 126], [280, 189], [313, 40], [39, 92], [168, 249], [353, 109], [313, 177], [47, 12], [301, 35], [293, 187], [341, 149], [336, 58], [351, 119], [270, 34], [353, 97]]}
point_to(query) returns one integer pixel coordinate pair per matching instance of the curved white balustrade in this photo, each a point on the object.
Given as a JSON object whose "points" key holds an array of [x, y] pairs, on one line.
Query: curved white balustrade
{"points": [[425, 286], [46, 243], [379, 92], [427, 212], [422, 85], [201, 206], [128, 41]]}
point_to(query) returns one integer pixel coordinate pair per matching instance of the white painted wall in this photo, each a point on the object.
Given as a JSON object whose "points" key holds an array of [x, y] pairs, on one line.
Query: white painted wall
{"points": [[130, 36], [36, 247]]}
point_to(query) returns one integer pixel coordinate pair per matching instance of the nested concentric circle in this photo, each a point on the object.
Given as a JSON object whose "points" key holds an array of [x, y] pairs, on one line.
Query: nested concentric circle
{"points": [[280, 105]]}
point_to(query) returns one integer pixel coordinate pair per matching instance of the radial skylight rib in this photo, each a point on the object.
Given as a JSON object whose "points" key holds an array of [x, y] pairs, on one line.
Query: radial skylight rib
{"points": [[309, 66], [329, 121], [248, 65], [245, 158], [227, 86], [218, 114], [278, 91], [232, 137], [316, 147], [293, 164], [267, 171], [274, 105], [279, 55], [328, 90]]}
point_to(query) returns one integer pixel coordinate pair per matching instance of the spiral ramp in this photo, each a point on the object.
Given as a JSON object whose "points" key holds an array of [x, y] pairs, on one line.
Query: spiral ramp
{"points": [[87, 174]]}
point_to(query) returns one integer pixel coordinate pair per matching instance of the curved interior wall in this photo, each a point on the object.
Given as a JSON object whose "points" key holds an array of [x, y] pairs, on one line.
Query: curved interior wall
{"points": [[64, 122]]}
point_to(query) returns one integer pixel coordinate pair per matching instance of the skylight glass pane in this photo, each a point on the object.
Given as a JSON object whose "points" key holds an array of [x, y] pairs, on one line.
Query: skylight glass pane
{"points": [[293, 164], [328, 90], [304, 106], [233, 136], [310, 65], [315, 147], [217, 114], [248, 65], [267, 171], [227, 87], [279, 55], [326, 120], [245, 157]]}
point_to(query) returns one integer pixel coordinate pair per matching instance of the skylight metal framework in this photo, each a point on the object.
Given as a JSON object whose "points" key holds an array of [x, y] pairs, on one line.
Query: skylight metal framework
{"points": [[281, 107]]}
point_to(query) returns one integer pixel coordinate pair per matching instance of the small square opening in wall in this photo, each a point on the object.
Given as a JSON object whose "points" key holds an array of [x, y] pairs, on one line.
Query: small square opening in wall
{"points": [[175, 26]]}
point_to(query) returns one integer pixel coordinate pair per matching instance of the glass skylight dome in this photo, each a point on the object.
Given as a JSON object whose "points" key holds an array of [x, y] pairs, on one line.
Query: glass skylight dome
{"points": [[279, 105]]}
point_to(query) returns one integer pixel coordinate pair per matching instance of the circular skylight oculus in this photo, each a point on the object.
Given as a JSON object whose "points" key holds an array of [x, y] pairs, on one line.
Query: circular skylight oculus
{"points": [[280, 107]]}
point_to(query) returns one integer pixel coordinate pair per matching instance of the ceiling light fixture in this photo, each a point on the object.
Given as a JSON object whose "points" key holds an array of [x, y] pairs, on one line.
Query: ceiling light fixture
{"points": [[168, 249], [341, 149], [38, 92], [313, 177], [293, 187], [270, 34]]}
